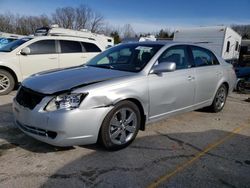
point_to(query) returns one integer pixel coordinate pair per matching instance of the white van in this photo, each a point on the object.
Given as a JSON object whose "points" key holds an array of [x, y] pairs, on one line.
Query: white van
{"points": [[26, 56]]}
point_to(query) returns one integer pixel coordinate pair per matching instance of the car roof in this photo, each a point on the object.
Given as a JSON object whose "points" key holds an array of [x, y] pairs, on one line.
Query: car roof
{"points": [[62, 38], [166, 42]]}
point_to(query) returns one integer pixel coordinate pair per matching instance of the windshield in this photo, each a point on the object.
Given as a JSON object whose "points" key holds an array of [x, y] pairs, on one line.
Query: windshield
{"points": [[126, 57], [13, 45]]}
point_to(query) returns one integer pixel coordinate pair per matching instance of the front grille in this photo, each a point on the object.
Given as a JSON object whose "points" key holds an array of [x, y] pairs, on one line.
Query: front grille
{"points": [[28, 98], [37, 131]]}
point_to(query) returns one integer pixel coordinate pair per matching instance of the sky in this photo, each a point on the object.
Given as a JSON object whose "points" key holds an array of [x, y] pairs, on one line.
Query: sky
{"points": [[146, 15]]}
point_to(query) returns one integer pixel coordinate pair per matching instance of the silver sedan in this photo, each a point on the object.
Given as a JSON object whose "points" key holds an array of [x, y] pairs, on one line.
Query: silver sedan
{"points": [[118, 92]]}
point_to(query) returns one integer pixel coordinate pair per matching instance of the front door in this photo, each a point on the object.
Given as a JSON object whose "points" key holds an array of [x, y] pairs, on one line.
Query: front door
{"points": [[42, 57], [171, 92]]}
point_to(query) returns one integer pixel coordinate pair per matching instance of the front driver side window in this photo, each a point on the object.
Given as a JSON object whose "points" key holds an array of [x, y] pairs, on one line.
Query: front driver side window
{"points": [[43, 47], [176, 54]]}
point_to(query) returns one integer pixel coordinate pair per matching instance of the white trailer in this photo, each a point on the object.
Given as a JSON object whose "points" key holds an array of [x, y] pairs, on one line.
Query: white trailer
{"points": [[221, 39], [55, 30]]}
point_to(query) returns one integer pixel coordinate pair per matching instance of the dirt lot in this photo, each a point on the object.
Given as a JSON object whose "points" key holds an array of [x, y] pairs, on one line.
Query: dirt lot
{"points": [[196, 149]]}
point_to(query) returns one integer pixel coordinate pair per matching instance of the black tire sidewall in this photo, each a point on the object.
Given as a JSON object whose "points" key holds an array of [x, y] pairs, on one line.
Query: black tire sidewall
{"points": [[240, 86], [12, 82], [104, 136], [214, 107]]}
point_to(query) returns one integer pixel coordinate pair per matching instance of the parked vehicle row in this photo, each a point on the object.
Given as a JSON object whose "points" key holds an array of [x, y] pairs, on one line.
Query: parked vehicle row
{"points": [[117, 92]]}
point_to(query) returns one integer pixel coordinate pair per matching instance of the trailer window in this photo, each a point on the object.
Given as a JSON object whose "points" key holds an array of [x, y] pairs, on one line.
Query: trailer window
{"points": [[236, 46], [228, 46]]}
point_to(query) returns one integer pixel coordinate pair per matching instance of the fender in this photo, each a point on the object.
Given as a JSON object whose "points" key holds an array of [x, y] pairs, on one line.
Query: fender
{"points": [[13, 69]]}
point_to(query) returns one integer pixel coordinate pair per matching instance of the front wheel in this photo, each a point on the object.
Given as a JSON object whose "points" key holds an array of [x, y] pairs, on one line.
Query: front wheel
{"points": [[219, 99], [7, 82], [120, 126]]}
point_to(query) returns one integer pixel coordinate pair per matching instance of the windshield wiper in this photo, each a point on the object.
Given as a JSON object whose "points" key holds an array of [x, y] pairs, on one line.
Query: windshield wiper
{"points": [[4, 50], [102, 66]]}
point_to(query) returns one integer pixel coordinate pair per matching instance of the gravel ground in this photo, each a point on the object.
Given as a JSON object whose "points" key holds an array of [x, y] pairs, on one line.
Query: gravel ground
{"points": [[195, 149]]}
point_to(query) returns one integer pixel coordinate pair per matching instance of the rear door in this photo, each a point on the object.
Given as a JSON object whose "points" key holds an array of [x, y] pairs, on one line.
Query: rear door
{"points": [[171, 92], [207, 73], [90, 51], [43, 56], [71, 53]]}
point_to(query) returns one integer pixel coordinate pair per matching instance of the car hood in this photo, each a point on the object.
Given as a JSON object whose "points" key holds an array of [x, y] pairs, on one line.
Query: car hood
{"points": [[63, 80], [3, 53]]}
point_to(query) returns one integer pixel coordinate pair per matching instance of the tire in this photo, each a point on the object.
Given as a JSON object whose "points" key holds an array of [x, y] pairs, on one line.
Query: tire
{"points": [[219, 99], [120, 126], [7, 82], [241, 86]]}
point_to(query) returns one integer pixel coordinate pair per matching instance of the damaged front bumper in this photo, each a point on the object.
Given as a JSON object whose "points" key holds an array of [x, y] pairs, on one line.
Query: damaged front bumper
{"points": [[61, 127]]}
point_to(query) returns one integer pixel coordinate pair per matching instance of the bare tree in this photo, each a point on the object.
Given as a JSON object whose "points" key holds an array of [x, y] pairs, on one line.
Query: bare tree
{"points": [[65, 17], [7, 22], [128, 31], [96, 22], [82, 17]]}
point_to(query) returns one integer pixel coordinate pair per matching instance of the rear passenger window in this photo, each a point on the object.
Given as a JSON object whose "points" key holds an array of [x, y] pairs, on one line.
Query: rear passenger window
{"points": [[43, 47], [70, 46], [203, 57], [89, 47], [178, 55]]}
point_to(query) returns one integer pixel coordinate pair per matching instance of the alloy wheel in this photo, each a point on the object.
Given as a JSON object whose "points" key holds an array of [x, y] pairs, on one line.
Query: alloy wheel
{"points": [[4, 83], [123, 126], [220, 98]]}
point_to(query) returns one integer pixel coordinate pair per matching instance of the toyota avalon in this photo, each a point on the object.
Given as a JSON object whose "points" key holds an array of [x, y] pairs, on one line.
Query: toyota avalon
{"points": [[119, 91]]}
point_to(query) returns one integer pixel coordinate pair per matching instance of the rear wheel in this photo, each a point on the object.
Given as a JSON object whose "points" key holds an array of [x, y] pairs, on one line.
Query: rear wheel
{"points": [[7, 82], [219, 99], [120, 126], [241, 86]]}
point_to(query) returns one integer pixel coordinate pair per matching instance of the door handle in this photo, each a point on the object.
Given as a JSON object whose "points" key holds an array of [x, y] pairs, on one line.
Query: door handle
{"points": [[52, 57], [219, 73], [190, 78]]}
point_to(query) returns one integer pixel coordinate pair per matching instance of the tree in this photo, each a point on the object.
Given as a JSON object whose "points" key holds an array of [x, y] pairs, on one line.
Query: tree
{"points": [[165, 34], [128, 31], [82, 17], [116, 37], [65, 17]]}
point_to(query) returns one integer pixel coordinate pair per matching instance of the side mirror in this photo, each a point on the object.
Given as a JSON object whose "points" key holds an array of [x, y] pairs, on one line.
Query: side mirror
{"points": [[163, 67], [25, 51]]}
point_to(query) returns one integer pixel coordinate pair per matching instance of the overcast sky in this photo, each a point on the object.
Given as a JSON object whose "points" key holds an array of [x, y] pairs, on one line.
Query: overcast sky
{"points": [[146, 15]]}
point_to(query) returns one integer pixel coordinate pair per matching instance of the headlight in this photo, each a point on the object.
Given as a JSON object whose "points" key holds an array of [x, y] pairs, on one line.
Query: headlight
{"points": [[65, 101]]}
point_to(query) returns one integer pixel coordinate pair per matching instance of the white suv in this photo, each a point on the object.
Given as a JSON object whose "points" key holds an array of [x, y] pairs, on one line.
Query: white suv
{"points": [[27, 56]]}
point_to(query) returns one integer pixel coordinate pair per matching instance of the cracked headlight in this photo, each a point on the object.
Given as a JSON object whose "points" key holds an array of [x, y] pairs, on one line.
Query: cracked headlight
{"points": [[65, 101]]}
